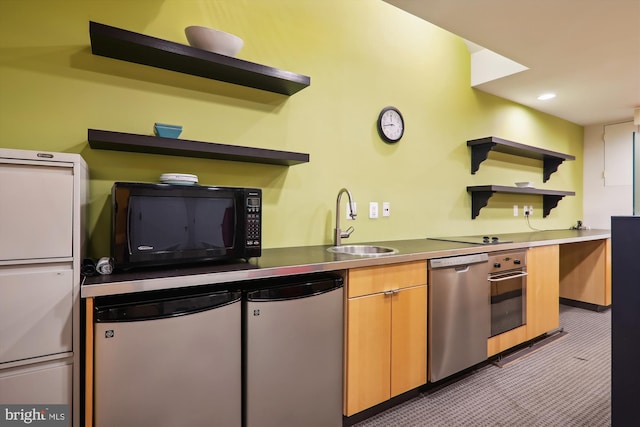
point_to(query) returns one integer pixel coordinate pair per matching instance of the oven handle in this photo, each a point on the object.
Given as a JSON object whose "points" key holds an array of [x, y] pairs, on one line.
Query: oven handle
{"points": [[507, 276]]}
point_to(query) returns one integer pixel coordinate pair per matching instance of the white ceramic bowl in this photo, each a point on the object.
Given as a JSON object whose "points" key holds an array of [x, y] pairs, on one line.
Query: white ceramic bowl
{"points": [[525, 184], [213, 40]]}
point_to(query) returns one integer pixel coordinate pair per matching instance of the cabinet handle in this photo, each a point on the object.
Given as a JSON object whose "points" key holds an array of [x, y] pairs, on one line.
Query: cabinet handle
{"points": [[392, 292], [388, 292]]}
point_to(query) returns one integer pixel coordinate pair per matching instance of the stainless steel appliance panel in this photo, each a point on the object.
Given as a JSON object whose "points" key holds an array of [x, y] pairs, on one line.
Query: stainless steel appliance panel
{"points": [[181, 370], [293, 358], [508, 282], [459, 314]]}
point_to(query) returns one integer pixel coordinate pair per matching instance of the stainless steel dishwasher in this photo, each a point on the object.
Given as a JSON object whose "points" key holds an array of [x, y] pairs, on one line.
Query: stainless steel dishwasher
{"points": [[459, 314], [293, 341], [164, 358]]}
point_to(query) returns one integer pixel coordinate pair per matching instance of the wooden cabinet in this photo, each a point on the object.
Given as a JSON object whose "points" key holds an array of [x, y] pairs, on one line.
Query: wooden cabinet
{"points": [[543, 306], [386, 333], [585, 272]]}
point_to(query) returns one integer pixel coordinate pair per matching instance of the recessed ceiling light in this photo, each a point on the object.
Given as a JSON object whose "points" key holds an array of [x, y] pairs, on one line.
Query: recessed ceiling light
{"points": [[546, 96]]}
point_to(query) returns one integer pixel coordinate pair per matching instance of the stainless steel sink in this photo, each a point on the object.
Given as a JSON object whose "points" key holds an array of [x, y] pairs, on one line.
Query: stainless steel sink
{"points": [[363, 250]]}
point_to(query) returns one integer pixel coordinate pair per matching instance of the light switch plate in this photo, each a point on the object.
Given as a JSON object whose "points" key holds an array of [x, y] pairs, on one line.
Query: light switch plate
{"points": [[373, 210]]}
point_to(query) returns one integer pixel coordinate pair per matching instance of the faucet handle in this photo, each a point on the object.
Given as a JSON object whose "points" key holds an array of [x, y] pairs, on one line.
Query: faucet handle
{"points": [[346, 233]]}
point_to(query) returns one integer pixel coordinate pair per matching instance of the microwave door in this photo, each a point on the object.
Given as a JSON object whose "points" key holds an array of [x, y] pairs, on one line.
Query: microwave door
{"points": [[214, 224], [157, 224]]}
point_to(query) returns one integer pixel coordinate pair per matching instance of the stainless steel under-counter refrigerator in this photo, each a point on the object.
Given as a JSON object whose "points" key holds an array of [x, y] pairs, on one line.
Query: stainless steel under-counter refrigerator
{"points": [[293, 346], [168, 358]]}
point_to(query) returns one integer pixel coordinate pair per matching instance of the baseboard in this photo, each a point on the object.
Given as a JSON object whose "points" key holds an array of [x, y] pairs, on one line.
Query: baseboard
{"points": [[584, 305], [507, 358], [374, 410]]}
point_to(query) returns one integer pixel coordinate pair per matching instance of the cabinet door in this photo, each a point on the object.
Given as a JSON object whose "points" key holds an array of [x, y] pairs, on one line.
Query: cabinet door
{"points": [[408, 339], [35, 311], [367, 352], [543, 284], [36, 212]]}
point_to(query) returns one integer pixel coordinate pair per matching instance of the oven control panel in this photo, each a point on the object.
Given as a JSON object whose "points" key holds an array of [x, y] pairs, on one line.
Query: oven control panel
{"points": [[504, 261]]}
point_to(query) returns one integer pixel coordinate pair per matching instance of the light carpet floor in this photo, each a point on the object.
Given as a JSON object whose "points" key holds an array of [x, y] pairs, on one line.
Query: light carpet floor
{"points": [[565, 383]]}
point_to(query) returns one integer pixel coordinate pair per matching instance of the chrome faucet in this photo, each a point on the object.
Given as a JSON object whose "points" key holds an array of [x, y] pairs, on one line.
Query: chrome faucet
{"points": [[339, 234]]}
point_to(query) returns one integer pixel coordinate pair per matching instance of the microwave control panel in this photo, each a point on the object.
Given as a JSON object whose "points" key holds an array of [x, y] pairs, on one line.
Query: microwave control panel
{"points": [[254, 221]]}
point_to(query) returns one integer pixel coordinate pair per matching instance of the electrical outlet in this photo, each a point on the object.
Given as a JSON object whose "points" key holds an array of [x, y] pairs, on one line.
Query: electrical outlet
{"points": [[348, 211], [515, 210], [373, 210], [386, 209], [525, 210], [530, 210]]}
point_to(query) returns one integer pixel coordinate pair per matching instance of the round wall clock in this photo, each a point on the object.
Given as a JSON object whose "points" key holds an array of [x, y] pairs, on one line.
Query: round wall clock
{"points": [[390, 124]]}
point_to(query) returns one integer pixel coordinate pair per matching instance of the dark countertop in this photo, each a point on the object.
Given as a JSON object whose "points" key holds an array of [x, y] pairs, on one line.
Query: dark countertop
{"points": [[278, 262]]}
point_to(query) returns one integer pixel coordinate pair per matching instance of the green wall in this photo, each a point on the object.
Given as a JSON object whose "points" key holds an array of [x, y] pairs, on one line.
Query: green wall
{"points": [[362, 55]]}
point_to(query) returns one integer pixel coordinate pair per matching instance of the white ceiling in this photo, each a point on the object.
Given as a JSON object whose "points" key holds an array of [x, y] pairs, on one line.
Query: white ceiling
{"points": [[586, 51]]}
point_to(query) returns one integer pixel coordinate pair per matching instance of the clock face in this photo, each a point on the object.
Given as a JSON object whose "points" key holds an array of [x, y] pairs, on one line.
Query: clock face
{"points": [[390, 124]]}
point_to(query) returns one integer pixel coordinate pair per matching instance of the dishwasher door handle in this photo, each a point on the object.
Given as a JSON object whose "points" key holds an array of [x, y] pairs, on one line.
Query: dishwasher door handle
{"points": [[508, 276]]}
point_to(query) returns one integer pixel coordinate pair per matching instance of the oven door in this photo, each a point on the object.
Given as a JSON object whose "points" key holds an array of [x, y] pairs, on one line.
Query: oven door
{"points": [[508, 300]]}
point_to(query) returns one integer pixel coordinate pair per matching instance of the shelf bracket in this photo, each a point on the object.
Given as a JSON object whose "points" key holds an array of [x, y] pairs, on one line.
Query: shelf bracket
{"points": [[479, 199], [549, 202], [550, 165], [479, 154]]}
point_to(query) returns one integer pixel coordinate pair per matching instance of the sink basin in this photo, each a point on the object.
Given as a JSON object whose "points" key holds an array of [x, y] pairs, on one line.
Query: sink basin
{"points": [[363, 250]]}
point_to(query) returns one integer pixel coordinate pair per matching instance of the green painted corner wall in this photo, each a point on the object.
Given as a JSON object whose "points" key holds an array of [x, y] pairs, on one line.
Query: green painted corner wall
{"points": [[361, 55]]}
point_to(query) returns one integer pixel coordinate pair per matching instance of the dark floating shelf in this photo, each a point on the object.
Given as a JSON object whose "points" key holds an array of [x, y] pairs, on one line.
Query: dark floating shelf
{"points": [[480, 149], [481, 194], [128, 46], [119, 141]]}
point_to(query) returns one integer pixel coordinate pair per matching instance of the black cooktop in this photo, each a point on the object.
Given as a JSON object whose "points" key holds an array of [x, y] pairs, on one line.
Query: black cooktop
{"points": [[474, 240]]}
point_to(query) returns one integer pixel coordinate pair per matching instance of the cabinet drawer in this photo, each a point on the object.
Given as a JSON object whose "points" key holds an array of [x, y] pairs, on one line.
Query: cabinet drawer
{"points": [[42, 384], [371, 280], [36, 213], [35, 311]]}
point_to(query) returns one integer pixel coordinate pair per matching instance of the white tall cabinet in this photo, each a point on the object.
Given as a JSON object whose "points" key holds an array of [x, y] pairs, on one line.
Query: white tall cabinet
{"points": [[42, 200]]}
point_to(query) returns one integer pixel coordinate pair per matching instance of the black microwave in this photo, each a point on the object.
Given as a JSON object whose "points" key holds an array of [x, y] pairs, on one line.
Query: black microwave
{"points": [[164, 224]]}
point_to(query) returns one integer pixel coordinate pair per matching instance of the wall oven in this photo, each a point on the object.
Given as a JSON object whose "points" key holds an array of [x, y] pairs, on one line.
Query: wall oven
{"points": [[508, 283]]}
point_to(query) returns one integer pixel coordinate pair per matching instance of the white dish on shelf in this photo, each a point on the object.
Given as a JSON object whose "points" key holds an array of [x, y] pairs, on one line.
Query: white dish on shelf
{"points": [[178, 179], [179, 183], [213, 40], [527, 184]]}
